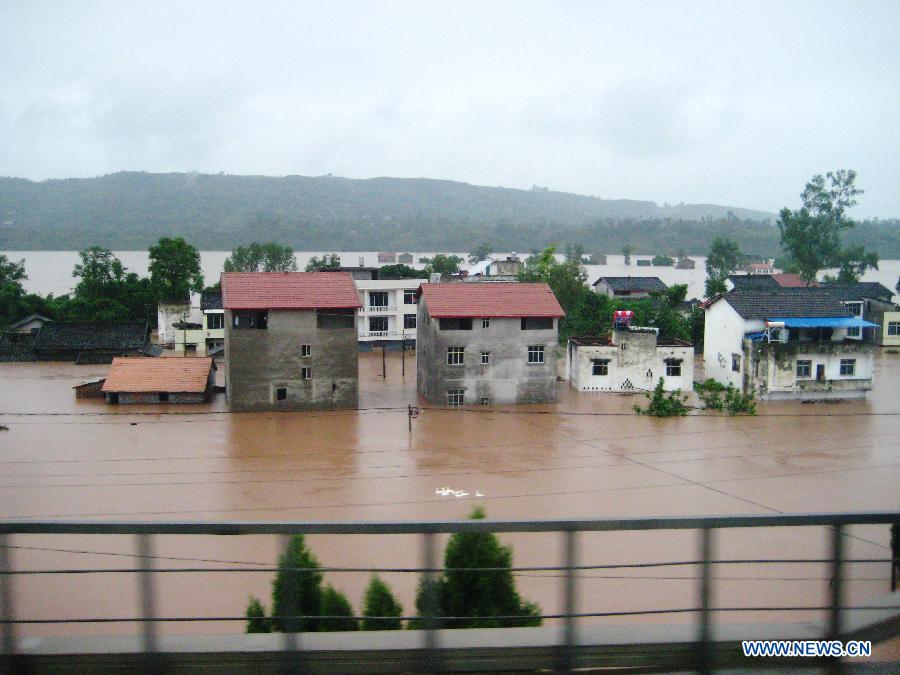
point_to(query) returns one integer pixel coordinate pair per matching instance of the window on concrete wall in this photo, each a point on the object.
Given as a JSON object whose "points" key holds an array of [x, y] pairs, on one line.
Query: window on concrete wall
{"points": [[306, 373], [281, 394], [456, 356], [536, 354], [600, 367], [804, 369], [378, 299], [409, 297], [456, 324], [893, 328], [736, 363], [336, 318], [485, 358], [673, 367], [456, 396], [164, 397], [378, 324], [485, 400], [409, 320], [848, 366], [854, 307], [215, 321], [536, 323], [853, 331], [305, 351], [252, 319], [485, 323]]}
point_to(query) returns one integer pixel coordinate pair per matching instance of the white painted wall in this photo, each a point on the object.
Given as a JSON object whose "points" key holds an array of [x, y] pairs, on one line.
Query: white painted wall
{"points": [[642, 373], [395, 289], [723, 335]]}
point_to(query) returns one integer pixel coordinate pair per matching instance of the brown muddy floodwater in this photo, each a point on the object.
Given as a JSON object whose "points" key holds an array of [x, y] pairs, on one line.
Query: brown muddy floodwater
{"points": [[61, 460]]}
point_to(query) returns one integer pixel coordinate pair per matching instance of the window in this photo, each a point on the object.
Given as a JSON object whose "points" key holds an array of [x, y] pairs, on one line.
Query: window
{"points": [[537, 323], [306, 373], [854, 307], [164, 397], [378, 324], [893, 328], [804, 369], [848, 366], [853, 331], [378, 298], [456, 324], [305, 351], [336, 318], [485, 400], [252, 319], [409, 297], [409, 320], [456, 396], [215, 321], [456, 356], [485, 358], [536, 354], [673, 367], [485, 323], [736, 363], [281, 394], [600, 367]]}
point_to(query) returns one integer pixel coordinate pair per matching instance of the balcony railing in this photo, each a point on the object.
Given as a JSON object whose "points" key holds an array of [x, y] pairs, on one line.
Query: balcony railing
{"points": [[432, 649], [378, 309]]}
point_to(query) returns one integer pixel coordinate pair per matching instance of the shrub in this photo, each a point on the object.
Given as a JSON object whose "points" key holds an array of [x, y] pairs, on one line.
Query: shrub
{"points": [[664, 404]]}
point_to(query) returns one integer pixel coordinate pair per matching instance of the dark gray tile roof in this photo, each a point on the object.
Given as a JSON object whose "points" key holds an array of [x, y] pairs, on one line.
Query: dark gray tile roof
{"points": [[633, 283], [784, 303], [210, 300], [760, 282], [863, 289], [82, 335]]}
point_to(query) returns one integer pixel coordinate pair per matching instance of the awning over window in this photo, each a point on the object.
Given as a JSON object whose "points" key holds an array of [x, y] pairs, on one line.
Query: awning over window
{"points": [[825, 322]]}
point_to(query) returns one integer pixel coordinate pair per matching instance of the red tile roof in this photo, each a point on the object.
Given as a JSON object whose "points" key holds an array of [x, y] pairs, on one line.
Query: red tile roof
{"points": [[158, 375], [499, 300], [288, 290], [791, 280]]}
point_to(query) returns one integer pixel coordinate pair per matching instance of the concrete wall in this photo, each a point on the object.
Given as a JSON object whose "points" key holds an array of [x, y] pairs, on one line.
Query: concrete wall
{"points": [[886, 339], [257, 362], [638, 366], [508, 378], [126, 398], [723, 335], [166, 316]]}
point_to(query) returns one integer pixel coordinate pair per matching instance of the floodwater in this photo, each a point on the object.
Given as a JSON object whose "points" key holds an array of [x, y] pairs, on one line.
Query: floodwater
{"points": [[587, 456]]}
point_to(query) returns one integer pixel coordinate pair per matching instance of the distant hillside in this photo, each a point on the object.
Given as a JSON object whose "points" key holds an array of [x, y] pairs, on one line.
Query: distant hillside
{"points": [[132, 210]]}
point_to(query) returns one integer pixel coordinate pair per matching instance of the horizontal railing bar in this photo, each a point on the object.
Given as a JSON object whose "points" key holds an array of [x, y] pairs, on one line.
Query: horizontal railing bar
{"points": [[445, 526], [243, 617], [418, 570]]}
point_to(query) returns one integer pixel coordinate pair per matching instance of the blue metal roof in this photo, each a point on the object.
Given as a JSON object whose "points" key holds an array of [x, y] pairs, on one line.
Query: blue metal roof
{"points": [[825, 322]]}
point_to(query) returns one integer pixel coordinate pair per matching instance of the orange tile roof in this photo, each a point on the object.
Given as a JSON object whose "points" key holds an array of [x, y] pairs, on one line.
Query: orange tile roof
{"points": [[186, 374], [791, 280], [289, 290], [498, 300]]}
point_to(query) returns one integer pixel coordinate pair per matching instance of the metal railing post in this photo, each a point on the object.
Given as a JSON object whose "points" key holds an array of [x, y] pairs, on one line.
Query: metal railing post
{"points": [[290, 643], [429, 562], [704, 618], [147, 594], [570, 636], [835, 619], [7, 609]]}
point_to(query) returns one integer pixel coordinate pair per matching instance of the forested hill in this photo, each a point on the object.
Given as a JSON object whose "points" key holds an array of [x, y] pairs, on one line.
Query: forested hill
{"points": [[131, 210]]}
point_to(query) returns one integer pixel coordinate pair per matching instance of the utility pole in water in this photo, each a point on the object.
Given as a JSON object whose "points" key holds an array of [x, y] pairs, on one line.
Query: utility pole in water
{"points": [[411, 411], [403, 352], [383, 366]]}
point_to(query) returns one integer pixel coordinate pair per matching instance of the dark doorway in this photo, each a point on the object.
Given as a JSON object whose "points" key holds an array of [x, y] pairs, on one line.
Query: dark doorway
{"points": [[820, 372]]}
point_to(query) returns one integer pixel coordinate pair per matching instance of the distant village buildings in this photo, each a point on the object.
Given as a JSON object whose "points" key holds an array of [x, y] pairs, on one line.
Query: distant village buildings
{"points": [[487, 343], [631, 288], [92, 341], [30, 324], [290, 340]]}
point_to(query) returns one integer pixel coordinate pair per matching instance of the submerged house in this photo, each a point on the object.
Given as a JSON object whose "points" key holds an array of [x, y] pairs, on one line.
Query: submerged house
{"points": [[92, 341], [632, 288], [487, 343], [165, 380], [30, 324], [873, 302], [629, 359], [290, 340], [788, 344]]}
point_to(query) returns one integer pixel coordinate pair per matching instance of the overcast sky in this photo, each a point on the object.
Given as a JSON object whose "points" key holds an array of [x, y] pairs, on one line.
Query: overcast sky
{"points": [[668, 101]]}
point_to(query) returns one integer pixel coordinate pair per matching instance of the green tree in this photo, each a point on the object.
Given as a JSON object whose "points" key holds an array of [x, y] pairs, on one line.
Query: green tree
{"points": [[479, 253], [477, 595], [12, 272], [256, 617], [400, 271], [297, 589], [663, 404], [443, 264], [98, 271], [268, 257], [336, 612], [722, 260], [811, 236], [627, 250], [380, 608], [662, 261], [327, 261], [852, 263], [175, 269]]}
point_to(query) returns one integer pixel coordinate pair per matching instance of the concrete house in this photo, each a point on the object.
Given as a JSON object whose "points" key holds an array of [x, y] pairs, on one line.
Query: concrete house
{"points": [[290, 340], [165, 380], [788, 344], [487, 343], [633, 288], [203, 332], [30, 324], [629, 359], [867, 300]]}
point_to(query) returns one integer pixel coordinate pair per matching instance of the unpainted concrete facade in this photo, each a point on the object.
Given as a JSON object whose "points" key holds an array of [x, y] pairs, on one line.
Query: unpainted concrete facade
{"points": [[506, 378], [629, 360], [259, 362]]}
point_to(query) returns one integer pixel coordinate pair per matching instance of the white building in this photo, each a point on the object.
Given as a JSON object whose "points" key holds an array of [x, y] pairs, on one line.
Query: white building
{"points": [[788, 344], [630, 359], [389, 310], [203, 332]]}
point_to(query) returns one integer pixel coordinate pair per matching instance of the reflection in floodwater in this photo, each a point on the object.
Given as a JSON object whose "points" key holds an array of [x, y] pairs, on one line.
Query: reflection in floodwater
{"points": [[587, 456]]}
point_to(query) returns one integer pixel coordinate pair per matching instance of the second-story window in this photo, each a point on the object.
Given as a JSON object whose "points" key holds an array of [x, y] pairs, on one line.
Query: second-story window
{"points": [[536, 354], [250, 319], [305, 350], [378, 299], [409, 320], [485, 323], [306, 373], [409, 297], [485, 358], [456, 356], [848, 366], [537, 323], [378, 324], [215, 321], [455, 324], [804, 369]]}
